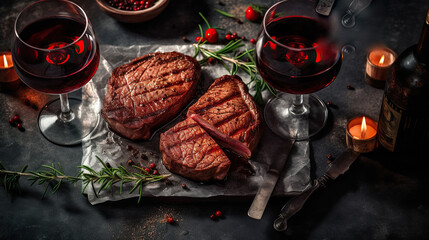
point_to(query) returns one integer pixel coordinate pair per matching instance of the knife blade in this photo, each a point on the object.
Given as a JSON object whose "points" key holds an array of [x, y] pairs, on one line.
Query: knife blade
{"points": [[260, 201], [338, 167]]}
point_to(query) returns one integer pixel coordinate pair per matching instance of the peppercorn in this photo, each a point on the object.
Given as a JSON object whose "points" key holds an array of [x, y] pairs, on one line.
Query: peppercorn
{"points": [[349, 87], [185, 39], [330, 157], [147, 170], [183, 185], [130, 162], [218, 213], [16, 118], [27, 102], [212, 217], [155, 172], [152, 165], [12, 123]]}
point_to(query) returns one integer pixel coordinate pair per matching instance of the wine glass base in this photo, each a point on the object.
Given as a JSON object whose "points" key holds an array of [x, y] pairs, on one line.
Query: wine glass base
{"points": [[292, 126], [71, 132]]}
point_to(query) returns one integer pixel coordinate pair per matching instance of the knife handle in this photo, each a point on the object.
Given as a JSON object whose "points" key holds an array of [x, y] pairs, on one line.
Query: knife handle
{"points": [[295, 204]]}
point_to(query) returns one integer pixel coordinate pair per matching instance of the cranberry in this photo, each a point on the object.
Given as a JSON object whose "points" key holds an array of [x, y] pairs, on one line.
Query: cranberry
{"points": [[183, 185], [218, 213], [20, 127], [152, 165], [170, 220], [228, 37], [155, 172], [146, 170], [211, 35], [252, 41], [16, 118], [212, 217]]}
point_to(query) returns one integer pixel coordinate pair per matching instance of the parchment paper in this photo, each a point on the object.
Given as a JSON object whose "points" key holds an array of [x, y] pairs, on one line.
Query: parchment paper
{"points": [[243, 179]]}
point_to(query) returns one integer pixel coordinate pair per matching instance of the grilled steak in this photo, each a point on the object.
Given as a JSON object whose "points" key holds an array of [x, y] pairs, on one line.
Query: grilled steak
{"points": [[148, 92], [189, 151], [229, 114]]}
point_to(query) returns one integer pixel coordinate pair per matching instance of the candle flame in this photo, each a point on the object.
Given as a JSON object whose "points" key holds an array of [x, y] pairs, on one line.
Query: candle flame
{"points": [[381, 60], [5, 61], [363, 128]]}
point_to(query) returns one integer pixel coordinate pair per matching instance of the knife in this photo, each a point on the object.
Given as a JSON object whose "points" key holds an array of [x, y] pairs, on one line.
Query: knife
{"points": [[337, 168], [324, 7], [260, 201]]}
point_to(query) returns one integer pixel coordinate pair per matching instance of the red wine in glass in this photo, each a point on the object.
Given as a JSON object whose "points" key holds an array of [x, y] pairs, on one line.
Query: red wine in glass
{"points": [[55, 51], [69, 65], [305, 63]]}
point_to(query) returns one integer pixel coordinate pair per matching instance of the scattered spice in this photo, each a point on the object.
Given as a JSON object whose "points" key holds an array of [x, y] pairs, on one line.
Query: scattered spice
{"points": [[243, 38], [130, 162], [129, 147], [15, 118], [144, 157], [185, 39], [329, 157], [35, 107], [146, 170], [184, 186], [349, 87], [12, 123], [212, 217], [27, 102], [211, 60]]}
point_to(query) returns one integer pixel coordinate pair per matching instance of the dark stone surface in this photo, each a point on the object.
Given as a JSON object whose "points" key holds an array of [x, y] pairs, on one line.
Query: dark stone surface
{"points": [[374, 200]]}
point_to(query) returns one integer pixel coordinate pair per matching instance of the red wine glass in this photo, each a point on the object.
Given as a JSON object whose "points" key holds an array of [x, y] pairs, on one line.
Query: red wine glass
{"points": [[296, 54], [55, 51]]}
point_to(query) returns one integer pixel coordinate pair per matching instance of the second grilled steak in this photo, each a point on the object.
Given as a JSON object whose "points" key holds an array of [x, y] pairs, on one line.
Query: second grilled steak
{"points": [[230, 115], [148, 92], [188, 150]]}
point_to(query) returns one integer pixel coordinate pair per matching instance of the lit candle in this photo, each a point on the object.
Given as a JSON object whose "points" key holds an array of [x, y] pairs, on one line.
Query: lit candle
{"points": [[361, 134], [8, 77], [378, 64]]}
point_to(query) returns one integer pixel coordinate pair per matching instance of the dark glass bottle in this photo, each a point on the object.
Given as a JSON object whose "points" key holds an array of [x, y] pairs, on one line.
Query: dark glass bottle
{"points": [[404, 116]]}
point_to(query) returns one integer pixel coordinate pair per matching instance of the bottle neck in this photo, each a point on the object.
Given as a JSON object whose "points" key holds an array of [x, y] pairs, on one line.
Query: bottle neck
{"points": [[423, 46]]}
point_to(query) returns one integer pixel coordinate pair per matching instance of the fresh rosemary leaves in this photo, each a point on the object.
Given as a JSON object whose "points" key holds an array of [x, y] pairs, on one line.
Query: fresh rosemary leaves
{"points": [[231, 58], [53, 176]]}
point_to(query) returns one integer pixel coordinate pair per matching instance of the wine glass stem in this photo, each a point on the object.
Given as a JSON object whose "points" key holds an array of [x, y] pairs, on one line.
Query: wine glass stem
{"points": [[66, 114], [297, 106]]}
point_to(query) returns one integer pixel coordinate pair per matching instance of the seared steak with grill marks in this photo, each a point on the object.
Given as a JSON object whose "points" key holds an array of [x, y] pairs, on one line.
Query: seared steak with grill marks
{"points": [[188, 150], [148, 92], [229, 114]]}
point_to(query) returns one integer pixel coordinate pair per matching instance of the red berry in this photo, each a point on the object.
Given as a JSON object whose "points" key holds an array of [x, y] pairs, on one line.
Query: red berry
{"points": [[170, 220], [152, 165], [198, 39], [12, 123], [212, 217], [228, 37], [16, 118], [20, 127], [218, 213], [211, 60], [183, 185], [211, 35], [253, 41], [155, 172], [147, 170], [252, 14]]}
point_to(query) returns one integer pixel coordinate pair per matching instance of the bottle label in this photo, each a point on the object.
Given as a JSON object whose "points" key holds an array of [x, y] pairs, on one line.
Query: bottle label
{"points": [[389, 122]]}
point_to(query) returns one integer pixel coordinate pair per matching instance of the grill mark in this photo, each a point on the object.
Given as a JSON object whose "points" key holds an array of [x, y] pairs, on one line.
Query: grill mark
{"points": [[196, 136], [144, 103], [158, 112], [173, 72], [198, 111], [225, 120], [213, 149], [182, 128]]}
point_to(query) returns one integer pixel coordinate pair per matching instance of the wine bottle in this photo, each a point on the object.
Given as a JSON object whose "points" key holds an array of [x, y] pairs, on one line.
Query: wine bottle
{"points": [[404, 116]]}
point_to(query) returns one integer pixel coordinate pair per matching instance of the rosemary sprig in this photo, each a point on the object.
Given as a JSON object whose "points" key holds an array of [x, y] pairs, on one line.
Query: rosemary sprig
{"points": [[230, 55], [53, 176], [238, 20]]}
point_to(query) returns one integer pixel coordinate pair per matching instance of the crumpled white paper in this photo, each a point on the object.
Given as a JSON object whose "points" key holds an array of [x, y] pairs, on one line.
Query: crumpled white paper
{"points": [[242, 180]]}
